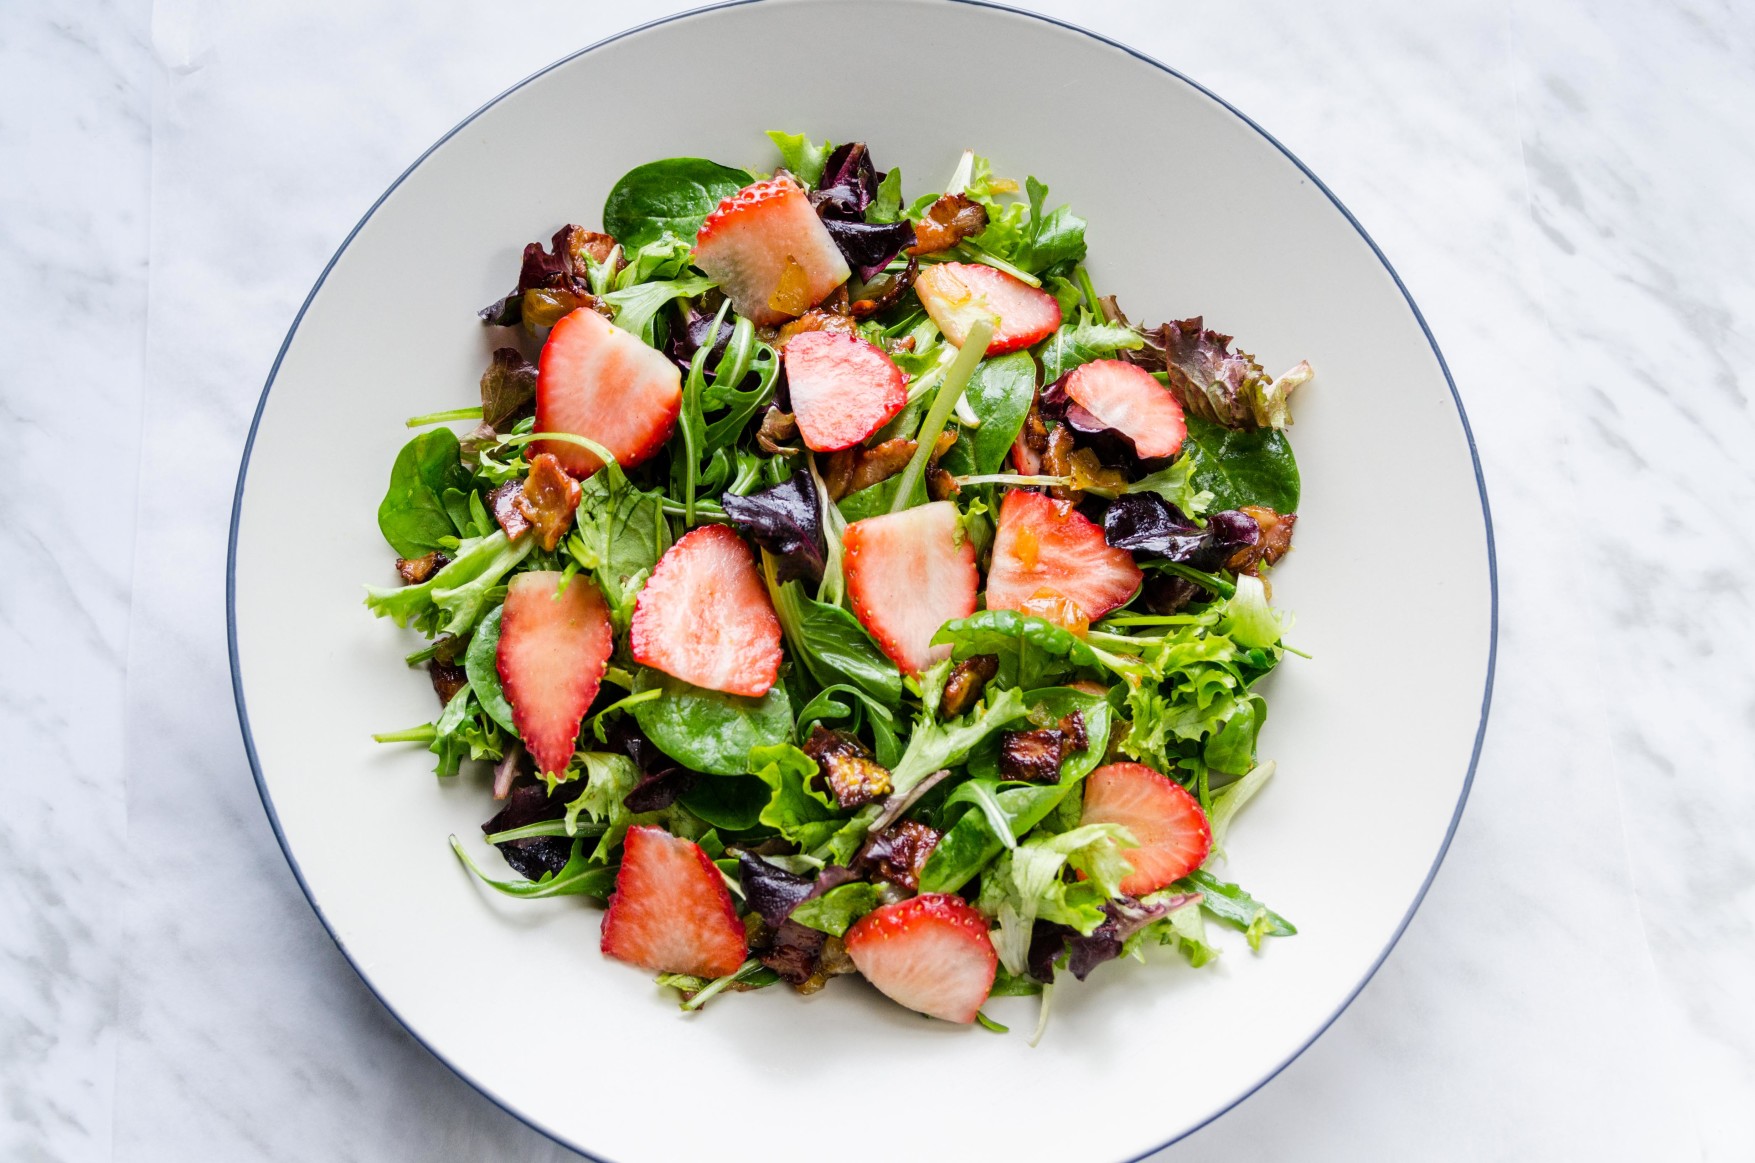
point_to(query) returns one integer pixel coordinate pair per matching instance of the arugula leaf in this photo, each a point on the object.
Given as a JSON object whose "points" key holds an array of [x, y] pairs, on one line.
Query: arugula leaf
{"points": [[451, 600], [795, 809], [1051, 238], [835, 911], [674, 194], [1238, 467], [886, 204], [1236, 908], [637, 307], [802, 159], [481, 664], [710, 731], [412, 515], [579, 877]]}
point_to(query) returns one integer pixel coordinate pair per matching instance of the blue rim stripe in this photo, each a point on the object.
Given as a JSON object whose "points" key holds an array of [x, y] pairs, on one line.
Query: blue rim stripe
{"points": [[231, 572]]}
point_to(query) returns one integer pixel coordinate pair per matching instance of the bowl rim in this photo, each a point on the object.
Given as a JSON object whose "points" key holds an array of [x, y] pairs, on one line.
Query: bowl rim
{"points": [[292, 331]]}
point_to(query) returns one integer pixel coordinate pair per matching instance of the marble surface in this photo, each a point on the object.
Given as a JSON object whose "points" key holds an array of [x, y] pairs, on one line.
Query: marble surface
{"points": [[1562, 186]]}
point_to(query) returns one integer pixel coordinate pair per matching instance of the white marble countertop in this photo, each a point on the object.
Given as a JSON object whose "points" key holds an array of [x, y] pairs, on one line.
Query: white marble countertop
{"points": [[1564, 188]]}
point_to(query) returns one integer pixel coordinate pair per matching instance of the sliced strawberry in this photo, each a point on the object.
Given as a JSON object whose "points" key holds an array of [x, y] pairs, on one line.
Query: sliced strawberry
{"points": [[770, 252], [956, 294], [1172, 831], [843, 389], [909, 573], [704, 616], [1127, 399], [930, 953], [598, 381], [554, 645], [1047, 549], [671, 912]]}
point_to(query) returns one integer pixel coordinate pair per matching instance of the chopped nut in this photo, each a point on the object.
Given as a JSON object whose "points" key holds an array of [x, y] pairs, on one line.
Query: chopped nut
{"points": [[502, 501], [447, 679], [1058, 461], [966, 682], [1275, 538], [845, 768], [417, 570], [549, 498], [948, 221], [816, 319], [853, 469], [777, 428], [897, 854]]}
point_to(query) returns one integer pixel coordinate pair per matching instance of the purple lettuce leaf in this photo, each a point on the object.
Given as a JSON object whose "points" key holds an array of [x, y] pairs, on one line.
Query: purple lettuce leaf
{"points": [[787, 521], [868, 247], [1147, 523], [536, 856]]}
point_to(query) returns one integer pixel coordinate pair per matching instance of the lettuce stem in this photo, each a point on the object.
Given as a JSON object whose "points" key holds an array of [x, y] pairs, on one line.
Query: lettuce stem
{"points": [[445, 417], [949, 392]]}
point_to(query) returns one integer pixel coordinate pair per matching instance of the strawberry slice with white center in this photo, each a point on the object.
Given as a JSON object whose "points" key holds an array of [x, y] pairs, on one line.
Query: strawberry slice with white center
{"points": [[843, 389], [671, 912], [930, 953], [595, 380], [704, 616], [554, 645], [768, 251], [909, 573], [1173, 833], [956, 294], [1127, 399], [1047, 548]]}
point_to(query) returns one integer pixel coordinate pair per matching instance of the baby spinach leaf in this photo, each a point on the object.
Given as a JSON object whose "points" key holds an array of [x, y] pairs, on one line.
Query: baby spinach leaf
{"points": [[674, 194], [874, 501], [1243, 467], [1031, 650], [731, 802], [802, 158], [481, 664], [1083, 341], [1000, 392], [710, 731], [1231, 749], [412, 515], [834, 647], [835, 911]]}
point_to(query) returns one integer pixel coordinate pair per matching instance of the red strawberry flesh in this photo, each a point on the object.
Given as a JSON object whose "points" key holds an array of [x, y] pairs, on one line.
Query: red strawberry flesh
{"points": [[1126, 398], [554, 645], [704, 616], [769, 252], [930, 953], [909, 573], [956, 294], [671, 912], [1173, 834], [598, 381], [1046, 548], [843, 389]]}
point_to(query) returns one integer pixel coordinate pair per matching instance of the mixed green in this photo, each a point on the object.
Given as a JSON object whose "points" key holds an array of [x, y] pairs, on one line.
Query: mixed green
{"points": [[836, 582]]}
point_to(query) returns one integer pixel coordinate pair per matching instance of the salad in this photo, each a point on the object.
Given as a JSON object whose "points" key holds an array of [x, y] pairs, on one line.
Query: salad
{"points": [[838, 584]]}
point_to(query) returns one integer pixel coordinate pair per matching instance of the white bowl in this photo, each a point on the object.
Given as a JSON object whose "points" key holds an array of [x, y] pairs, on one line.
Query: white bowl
{"points": [[1193, 209]]}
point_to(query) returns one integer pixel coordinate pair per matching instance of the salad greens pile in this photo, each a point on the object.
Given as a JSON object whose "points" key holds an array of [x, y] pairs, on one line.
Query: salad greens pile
{"points": [[981, 758]]}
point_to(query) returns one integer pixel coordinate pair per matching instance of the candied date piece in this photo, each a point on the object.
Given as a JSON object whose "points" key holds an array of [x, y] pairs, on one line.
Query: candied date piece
{"points": [[1035, 756], [502, 502], [535, 856], [897, 854], [967, 680], [853, 469], [845, 769], [1275, 538]]}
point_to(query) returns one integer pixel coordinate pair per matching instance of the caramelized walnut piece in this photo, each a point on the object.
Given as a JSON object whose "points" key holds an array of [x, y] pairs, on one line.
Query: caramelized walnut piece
{"points": [[777, 428], [416, 570], [898, 854], [816, 319], [1270, 546], [1057, 461], [966, 682], [1032, 442], [549, 498], [940, 484], [502, 502], [948, 221], [447, 678], [884, 292], [853, 469]]}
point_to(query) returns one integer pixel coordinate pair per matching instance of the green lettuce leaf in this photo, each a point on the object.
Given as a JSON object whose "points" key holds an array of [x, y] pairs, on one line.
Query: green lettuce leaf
{"points": [[453, 599]]}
